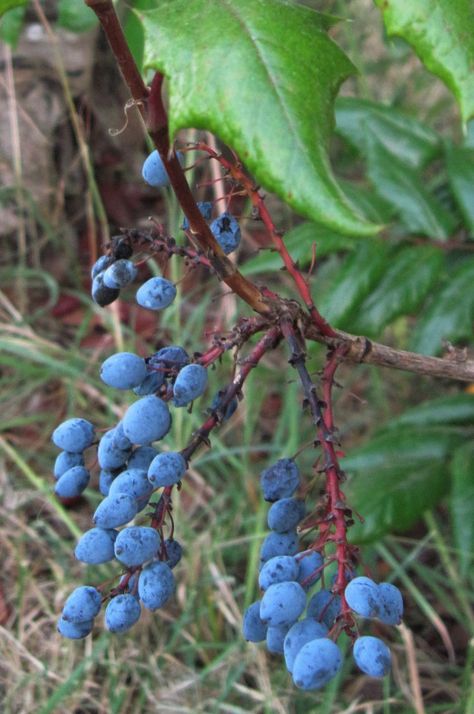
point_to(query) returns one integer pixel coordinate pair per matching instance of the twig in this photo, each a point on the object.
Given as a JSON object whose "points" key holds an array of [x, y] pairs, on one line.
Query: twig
{"points": [[149, 103], [362, 350], [235, 170]]}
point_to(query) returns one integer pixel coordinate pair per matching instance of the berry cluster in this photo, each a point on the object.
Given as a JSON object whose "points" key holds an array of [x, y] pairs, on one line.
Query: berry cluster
{"points": [[299, 614], [132, 470], [307, 640]]}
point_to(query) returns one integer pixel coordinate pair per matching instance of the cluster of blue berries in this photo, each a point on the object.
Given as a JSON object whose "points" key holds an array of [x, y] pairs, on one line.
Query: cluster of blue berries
{"points": [[131, 471], [383, 602], [112, 272], [225, 228], [110, 275], [300, 628]]}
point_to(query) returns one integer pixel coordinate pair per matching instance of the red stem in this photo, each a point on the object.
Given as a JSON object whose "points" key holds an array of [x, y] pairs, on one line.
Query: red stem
{"points": [[235, 170]]}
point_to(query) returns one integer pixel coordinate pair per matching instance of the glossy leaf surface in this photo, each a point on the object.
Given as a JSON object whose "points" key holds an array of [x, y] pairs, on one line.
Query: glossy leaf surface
{"points": [[441, 33], [397, 476], [411, 141], [409, 276], [450, 313], [262, 75], [462, 505]]}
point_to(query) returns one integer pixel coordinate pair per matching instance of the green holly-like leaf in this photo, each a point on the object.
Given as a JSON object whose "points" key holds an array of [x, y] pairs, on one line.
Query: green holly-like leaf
{"points": [[441, 33], [460, 165], [397, 476], [462, 505], [407, 279], [262, 75], [414, 143], [457, 409], [75, 16], [403, 188], [450, 313], [6, 5]]}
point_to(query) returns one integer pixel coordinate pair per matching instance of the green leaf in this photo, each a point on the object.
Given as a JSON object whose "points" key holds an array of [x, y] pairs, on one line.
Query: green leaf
{"points": [[357, 119], [404, 189], [133, 29], [368, 203], [409, 276], [457, 409], [11, 25], [74, 15], [462, 505], [262, 76], [299, 242], [354, 281], [6, 5], [441, 33], [397, 476], [450, 314], [460, 165]]}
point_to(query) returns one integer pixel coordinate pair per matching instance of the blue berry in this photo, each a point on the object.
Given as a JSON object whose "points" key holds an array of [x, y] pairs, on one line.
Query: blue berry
{"points": [[299, 635], [136, 545], [73, 435], [134, 482], [147, 420], [310, 568], [156, 294], [154, 172], [391, 604], [101, 265], [325, 607], [280, 480], [74, 630], [96, 546], [362, 596], [166, 469], [253, 629], [142, 458], [224, 413], [105, 480], [278, 544], [119, 274], [82, 605], [316, 664], [101, 294], [150, 385], [372, 656], [172, 356], [120, 440], [174, 552], [282, 604], [190, 384], [275, 639], [115, 511], [65, 461], [155, 585], [279, 569], [206, 210], [72, 483], [109, 455], [122, 612], [285, 514], [123, 370], [226, 231]]}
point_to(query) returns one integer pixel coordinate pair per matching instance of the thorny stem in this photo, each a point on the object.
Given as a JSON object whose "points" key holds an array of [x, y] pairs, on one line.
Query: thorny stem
{"points": [[237, 173], [151, 107], [337, 518], [269, 340], [201, 436], [359, 349]]}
